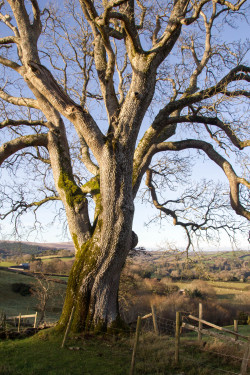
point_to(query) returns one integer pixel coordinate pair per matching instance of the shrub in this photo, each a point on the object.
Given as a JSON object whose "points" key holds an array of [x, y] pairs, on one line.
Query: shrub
{"points": [[243, 318], [206, 289], [146, 274], [21, 288], [194, 293]]}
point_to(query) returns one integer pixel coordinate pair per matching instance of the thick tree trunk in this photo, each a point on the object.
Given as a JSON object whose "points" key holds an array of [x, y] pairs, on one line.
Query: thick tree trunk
{"points": [[94, 280]]}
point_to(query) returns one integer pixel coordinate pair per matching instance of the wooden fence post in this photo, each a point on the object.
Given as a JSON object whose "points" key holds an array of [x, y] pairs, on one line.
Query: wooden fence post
{"points": [[4, 322], [177, 336], [19, 323], [236, 328], [200, 324], [68, 326], [5, 326], [35, 320], [137, 334], [246, 357], [156, 329]]}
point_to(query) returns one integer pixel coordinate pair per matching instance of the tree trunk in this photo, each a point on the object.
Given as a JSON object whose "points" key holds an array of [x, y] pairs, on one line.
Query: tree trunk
{"points": [[94, 279]]}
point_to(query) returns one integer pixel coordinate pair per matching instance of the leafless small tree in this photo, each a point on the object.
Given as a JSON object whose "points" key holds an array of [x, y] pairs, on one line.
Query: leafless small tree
{"points": [[46, 293]]}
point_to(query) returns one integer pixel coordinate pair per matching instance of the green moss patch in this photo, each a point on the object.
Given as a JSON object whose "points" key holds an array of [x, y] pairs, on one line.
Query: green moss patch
{"points": [[74, 195]]}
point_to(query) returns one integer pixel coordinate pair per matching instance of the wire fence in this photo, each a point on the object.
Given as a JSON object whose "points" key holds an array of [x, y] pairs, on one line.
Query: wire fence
{"points": [[209, 356], [157, 346]]}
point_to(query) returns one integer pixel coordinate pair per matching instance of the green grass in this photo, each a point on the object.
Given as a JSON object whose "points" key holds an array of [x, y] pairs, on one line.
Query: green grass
{"points": [[243, 329], [7, 264], [61, 277], [48, 258], [236, 285], [13, 303], [42, 354], [223, 290]]}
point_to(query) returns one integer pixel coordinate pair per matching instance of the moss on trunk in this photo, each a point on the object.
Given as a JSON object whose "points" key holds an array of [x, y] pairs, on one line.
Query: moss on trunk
{"points": [[74, 195]]}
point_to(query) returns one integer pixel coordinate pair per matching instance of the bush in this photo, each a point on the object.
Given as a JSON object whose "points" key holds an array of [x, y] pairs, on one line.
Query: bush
{"points": [[194, 293], [206, 289], [146, 274], [21, 288], [243, 318]]}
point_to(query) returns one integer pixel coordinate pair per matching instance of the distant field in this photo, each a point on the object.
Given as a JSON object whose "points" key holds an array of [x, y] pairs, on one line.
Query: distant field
{"points": [[13, 303], [62, 277], [45, 259], [7, 264], [48, 258], [236, 292]]}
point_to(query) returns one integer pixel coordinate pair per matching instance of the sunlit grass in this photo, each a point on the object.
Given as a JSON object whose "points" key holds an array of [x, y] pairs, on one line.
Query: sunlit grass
{"points": [[49, 258], [7, 264]]}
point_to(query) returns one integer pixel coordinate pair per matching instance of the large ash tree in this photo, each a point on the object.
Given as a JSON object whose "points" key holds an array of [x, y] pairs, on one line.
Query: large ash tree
{"points": [[80, 85]]}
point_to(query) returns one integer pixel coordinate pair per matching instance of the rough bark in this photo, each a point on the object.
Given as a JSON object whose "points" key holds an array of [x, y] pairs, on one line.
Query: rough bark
{"points": [[94, 280]]}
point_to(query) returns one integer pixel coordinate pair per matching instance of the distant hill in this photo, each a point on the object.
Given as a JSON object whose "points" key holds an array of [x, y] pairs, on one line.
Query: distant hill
{"points": [[9, 248]]}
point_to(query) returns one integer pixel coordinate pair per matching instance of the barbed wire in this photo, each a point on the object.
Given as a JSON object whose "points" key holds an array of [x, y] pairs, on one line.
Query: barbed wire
{"points": [[209, 366], [166, 327], [214, 352], [223, 355]]}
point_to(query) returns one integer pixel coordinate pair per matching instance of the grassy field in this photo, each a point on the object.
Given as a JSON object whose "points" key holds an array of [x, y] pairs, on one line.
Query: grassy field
{"points": [[7, 264], [231, 291], [52, 257], [44, 259], [13, 303]]}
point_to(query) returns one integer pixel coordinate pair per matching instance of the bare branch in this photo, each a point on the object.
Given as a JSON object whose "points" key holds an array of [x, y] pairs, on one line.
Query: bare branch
{"points": [[26, 102], [8, 40], [7, 20], [233, 179], [10, 122], [156, 30], [161, 129], [198, 7], [86, 159], [11, 147], [143, 14], [23, 206], [211, 121], [198, 210], [237, 74], [231, 6], [10, 64], [26, 28], [37, 25], [50, 89]]}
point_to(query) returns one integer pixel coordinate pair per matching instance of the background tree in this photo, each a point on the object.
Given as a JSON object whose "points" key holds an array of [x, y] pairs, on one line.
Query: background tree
{"points": [[48, 295], [76, 97]]}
